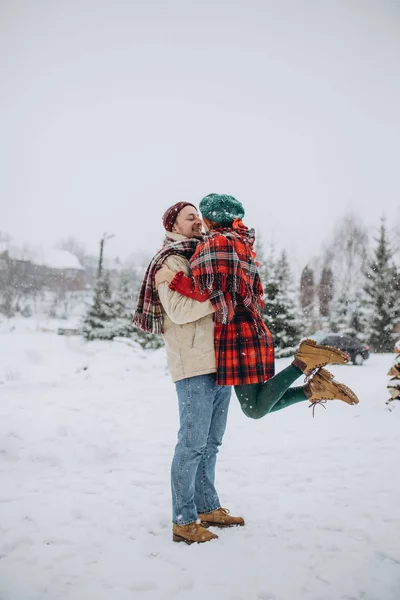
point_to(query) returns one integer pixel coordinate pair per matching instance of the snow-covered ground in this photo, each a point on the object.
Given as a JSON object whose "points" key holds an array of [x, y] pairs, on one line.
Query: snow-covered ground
{"points": [[86, 438]]}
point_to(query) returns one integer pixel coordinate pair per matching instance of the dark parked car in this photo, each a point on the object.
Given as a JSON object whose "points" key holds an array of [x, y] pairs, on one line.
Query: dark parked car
{"points": [[357, 351]]}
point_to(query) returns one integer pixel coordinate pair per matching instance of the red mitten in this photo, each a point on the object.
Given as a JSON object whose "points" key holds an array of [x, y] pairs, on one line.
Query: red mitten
{"points": [[184, 285]]}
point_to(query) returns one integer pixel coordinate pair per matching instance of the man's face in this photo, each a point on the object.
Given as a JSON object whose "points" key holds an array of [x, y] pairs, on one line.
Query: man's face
{"points": [[188, 223]]}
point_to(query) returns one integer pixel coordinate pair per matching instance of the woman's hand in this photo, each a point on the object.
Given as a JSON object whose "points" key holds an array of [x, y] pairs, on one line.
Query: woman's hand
{"points": [[164, 274]]}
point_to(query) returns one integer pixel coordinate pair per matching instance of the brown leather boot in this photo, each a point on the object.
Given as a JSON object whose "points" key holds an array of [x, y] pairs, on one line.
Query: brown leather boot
{"points": [[394, 389], [220, 518], [323, 387], [191, 533], [394, 371], [311, 356]]}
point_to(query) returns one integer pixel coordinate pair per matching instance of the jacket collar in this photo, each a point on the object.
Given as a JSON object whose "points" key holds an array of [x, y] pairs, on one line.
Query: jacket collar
{"points": [[177, 237]]}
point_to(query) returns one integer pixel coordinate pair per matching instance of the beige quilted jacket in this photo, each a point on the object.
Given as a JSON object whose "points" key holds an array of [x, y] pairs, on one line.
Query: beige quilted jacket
{"points": [[188, 327]]}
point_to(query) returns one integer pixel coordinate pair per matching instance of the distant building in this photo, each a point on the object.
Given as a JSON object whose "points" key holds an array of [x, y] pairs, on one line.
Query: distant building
{"points": [[61, 269]]}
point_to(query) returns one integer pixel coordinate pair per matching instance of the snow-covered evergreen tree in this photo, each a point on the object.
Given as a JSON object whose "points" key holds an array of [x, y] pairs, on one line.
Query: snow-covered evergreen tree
{"points": [[357, 327], [261, 258], [382, 290], [325, 295], [123, 309], [110, 315], [358, 322], [349, 315], [291, 329], [148, 341], [340, 314], [99, 321], [279, 312], [129, 292], [307, 299]]}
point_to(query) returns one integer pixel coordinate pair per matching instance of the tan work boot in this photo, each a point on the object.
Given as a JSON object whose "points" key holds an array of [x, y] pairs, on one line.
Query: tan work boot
{"points": [[323, 387], [394, 371], [220, 518], [191, 533], [311, 356]]}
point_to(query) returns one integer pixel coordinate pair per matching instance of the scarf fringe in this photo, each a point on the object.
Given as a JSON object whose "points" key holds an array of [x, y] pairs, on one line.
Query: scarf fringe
{"points": [[148, 323], [148, 315], [234, 284]]}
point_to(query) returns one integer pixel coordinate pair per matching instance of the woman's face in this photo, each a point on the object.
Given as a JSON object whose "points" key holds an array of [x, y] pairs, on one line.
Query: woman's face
{"points": [[207, 224]]}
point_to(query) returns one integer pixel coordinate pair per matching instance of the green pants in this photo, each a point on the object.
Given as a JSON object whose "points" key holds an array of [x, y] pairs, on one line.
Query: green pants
{"points": [[260, 399]]}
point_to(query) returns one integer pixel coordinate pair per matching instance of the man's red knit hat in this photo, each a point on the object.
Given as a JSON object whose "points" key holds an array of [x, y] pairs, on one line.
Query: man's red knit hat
{"points": [[170, 215]]}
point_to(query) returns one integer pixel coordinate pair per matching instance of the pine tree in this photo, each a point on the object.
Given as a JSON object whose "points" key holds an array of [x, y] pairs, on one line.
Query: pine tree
{"points": [[383, 295], [287, 322], [325, 291], [340, 314], [265, 269], [279, 312], [358, 325], [307, 298], [349, 316], [270, 311], [148, 341], [99, 321], [124, 309], [260, 259]]}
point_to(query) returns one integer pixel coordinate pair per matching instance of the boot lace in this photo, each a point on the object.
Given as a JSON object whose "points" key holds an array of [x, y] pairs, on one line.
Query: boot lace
{"points": [[311, 375], [225, 510], [198, 524], [314, 404]]}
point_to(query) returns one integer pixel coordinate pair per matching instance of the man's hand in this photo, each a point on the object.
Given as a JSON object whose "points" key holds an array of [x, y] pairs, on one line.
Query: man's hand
{"points": [[164, 274]]}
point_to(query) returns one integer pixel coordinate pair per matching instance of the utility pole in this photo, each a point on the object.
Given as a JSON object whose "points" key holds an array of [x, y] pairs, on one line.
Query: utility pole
{"points": [[102, 240]]}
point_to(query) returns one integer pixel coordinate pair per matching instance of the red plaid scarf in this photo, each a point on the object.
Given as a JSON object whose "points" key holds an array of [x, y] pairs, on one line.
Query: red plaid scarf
{"points": [[148, 315], [224, 264]]}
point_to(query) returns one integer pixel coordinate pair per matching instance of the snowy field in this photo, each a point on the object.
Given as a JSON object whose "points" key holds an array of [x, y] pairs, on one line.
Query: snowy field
{"points": [[86, 438]]}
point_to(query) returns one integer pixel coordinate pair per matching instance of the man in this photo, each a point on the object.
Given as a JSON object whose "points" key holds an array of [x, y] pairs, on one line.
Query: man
{"points": [[188, 329]]}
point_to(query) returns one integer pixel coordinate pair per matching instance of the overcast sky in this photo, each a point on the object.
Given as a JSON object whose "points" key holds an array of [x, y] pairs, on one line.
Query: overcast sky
{"points": [[112, 111]]}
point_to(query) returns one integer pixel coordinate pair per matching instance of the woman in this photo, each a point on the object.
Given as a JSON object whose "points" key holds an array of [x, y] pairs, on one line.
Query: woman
{"points": [[224, 271]]}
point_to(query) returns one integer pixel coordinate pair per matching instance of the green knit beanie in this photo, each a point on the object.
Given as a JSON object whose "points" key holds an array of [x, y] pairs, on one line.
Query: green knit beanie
{"points": [[221, 209]]}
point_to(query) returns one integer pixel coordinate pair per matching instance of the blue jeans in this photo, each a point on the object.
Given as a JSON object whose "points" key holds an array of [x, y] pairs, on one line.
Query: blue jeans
{"points": [[203, 411]]}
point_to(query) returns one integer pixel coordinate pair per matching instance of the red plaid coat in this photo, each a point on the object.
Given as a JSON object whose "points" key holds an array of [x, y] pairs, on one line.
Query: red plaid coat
{"points": [[243, 344], [242, 357]]}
